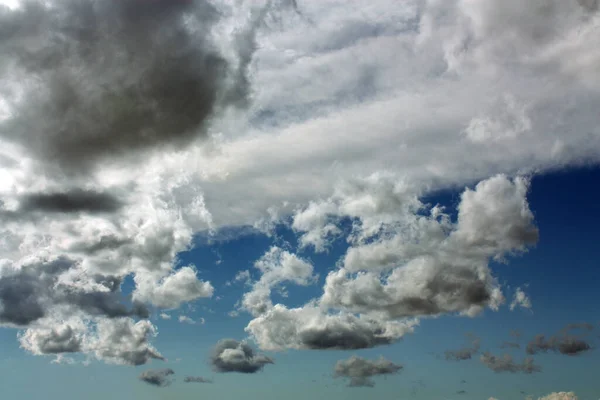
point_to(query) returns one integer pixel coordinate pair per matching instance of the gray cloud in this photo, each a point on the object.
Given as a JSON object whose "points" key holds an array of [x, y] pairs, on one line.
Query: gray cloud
{"points": [[121, 341], [29, 290], [360, 370], [157, 377], [196, 379], [76, 200], [506, 363], [466, 353], [229, 355], [57, 340], [113, 78], [564, 344]]}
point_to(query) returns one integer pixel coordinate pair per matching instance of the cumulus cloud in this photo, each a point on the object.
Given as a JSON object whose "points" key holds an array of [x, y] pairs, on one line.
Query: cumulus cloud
{"points": [[196, 379], [520, 299], [427, 265], [124, 341], [408, 260], [171, 291], [360, 370], [505, 363], [563, 344], [157, 377], [229, 355], [54, 340], [311, 327], [276, 266], [466, 353]]}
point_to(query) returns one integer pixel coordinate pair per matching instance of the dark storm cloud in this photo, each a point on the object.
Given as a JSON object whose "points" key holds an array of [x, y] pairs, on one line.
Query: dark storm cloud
{"points": [[28, 291], [196, 379], [111, 78], [360, 371], [229, 355], [466, 353], [157, 377], [506, 363], [564, 344], [76, 200]]}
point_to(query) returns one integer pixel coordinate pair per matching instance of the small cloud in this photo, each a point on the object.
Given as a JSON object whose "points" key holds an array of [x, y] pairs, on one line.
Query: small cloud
{"points": [[196, 379], [520, 299], [187, 320], [506, 363], [157, 377], [360, 370], [229, 355], [165, 316], [466, 353]]}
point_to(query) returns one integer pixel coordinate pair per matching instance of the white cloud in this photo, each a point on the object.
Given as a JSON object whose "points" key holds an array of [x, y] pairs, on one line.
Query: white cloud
{"points": [[276, 266], [179, 287], [407, 260], [520, 299], [311, 327], [164, 316], [186, 320], [560, 396]]}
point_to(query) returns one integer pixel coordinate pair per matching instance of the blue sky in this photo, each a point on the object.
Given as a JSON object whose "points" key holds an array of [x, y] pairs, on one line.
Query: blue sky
{"points": [[299, 198]]}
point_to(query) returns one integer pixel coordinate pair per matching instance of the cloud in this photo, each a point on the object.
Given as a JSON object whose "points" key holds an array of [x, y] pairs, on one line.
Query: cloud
{"points": [[186, 320], [67, 202], [56, 340], [520, 299], [179, 287], [164, 316], [229, 355], [276, 266], [407, 260], [560, 396], [116, 341], [466, 353], [310, 327], [123, 341], [565, 344], [436, 266], [74, 110], [505, 363], [512, 91], [196, 379], [157, 377], [360, 370], [29, 290]]}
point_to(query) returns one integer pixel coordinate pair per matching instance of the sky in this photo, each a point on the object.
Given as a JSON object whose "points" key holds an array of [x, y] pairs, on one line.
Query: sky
{"points": [[299, 198]]}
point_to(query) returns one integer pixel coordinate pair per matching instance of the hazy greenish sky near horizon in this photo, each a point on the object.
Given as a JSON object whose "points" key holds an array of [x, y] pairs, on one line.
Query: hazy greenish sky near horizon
{"points": [[299, 199]]}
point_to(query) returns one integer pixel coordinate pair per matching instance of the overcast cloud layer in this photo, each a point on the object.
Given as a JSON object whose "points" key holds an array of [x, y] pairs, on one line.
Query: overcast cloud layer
{"points": [[112, 159]]}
